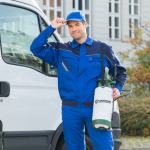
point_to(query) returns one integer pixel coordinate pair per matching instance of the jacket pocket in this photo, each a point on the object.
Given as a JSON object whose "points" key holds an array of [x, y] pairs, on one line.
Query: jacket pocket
{"points": [[65, 65], [93, 66], [94, 58], [70, 61]]}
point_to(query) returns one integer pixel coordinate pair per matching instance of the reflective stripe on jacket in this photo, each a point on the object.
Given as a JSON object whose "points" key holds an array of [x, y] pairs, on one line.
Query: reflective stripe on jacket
{"points": [[79, 66]]}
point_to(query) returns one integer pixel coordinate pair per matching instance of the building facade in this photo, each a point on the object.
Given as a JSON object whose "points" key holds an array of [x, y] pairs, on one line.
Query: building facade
{"points": [[108, 20]]}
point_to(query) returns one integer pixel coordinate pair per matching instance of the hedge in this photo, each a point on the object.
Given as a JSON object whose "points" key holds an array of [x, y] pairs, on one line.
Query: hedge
{"points": [[135, 115]]}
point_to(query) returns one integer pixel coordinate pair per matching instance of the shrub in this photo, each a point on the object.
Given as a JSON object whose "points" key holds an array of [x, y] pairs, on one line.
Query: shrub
{"points": [[135, 115]]}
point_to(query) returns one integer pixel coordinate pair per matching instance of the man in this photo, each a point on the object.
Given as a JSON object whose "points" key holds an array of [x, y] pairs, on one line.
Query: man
{"points": [[79, 67]]}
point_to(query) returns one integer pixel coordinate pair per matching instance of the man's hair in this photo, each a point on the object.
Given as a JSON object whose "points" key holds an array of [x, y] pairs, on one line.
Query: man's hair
{"points": [[80, 21]]}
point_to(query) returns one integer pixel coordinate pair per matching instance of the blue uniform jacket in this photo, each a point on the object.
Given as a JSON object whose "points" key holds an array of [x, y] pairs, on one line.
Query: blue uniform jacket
{"points": [[79, 66]]}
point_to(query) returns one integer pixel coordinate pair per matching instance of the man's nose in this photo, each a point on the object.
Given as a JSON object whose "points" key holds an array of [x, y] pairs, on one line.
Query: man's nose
{"points": [[74, 28]]}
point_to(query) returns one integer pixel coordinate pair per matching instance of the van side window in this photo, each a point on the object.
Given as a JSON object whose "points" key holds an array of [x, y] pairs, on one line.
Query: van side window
{"points": [[51, 69], [18, 28]]}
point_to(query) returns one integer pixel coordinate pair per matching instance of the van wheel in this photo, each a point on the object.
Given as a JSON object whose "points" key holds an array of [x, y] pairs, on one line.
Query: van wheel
{"points": [[89, 145]]}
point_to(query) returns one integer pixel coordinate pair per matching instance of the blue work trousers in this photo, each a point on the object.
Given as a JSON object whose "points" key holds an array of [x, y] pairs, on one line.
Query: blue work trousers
{"points": [[74, 120]]}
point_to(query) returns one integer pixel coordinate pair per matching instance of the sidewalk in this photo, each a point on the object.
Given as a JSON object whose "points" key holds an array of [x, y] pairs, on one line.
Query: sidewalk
{"points": [[135, 143]]}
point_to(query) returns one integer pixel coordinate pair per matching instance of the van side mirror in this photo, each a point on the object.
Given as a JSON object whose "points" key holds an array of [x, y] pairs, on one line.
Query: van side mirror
{"points": [[4, 89]]}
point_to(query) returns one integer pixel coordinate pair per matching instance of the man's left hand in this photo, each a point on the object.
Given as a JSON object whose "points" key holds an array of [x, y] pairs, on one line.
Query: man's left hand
{"points": [[116, 93]]}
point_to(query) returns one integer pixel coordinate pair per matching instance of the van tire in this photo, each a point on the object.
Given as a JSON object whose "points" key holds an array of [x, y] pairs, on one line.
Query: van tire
{"points": [[89, 145]]}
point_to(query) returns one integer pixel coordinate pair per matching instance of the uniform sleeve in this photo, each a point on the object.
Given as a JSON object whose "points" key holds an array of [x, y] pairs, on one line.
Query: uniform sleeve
{"points": [[47, 51], [121, 71]]}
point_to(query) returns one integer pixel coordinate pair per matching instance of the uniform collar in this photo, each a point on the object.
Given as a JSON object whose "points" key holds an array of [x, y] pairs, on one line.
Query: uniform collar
{"points": [[88, 41]]}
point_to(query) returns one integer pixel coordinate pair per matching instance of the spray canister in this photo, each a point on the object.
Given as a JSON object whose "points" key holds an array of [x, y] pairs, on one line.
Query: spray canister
{"points": [[103, 100]]}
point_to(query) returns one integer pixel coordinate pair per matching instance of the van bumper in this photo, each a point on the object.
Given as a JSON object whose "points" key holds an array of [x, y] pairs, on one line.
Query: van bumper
{"points": [[116, 137]]}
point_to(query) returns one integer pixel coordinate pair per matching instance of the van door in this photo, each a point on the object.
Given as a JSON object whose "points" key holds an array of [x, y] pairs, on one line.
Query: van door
{"points": [[32, 111], [0, 135]]}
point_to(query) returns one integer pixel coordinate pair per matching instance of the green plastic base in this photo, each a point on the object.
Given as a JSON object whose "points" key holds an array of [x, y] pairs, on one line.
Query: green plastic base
{"points": [[100, 121]]}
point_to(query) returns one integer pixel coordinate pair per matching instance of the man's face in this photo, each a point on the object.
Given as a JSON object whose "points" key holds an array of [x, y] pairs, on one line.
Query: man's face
{"points": [[77, 29]]}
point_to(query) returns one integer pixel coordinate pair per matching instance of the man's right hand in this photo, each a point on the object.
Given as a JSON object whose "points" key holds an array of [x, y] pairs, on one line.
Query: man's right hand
{"points": [[58, 23]]}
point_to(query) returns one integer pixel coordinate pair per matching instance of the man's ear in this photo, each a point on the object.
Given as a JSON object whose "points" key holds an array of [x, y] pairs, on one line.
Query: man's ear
{"points": [[85, 24]]}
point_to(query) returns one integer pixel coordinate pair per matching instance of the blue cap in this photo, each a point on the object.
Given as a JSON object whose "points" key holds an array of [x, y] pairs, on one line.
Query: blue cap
{"points": [[77, 16]]}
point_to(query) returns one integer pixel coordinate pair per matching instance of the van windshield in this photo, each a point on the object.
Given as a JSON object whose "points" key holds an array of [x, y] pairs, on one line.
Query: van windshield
{"points": [[18, 28]]}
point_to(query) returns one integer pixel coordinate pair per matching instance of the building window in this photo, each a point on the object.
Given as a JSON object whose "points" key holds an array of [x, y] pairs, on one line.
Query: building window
{"points": [[53, 9], [114, 20], [84, 7], [73, 4], [134, 15], [44, 2]]}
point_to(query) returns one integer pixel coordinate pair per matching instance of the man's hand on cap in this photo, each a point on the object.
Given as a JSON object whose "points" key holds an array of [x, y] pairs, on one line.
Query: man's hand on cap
{"points": [[58, 23]]}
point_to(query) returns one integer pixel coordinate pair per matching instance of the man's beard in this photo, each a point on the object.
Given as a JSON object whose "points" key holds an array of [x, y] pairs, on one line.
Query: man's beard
{"points": [[78, 38]]}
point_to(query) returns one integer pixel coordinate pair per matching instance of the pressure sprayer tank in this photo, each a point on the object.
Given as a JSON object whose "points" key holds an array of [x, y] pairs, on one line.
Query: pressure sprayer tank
{"points": [[103, 105]]}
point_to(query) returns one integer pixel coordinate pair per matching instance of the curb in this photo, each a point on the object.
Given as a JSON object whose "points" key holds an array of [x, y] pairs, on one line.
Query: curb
{"points": [[136, 148]]}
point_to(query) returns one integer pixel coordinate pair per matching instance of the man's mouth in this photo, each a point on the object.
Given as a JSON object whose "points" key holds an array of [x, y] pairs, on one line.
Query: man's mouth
{"points": [[75, 33]]}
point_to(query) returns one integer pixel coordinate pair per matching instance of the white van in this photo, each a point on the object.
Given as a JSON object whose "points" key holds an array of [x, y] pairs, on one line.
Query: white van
{"points": [[30, 106]]}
